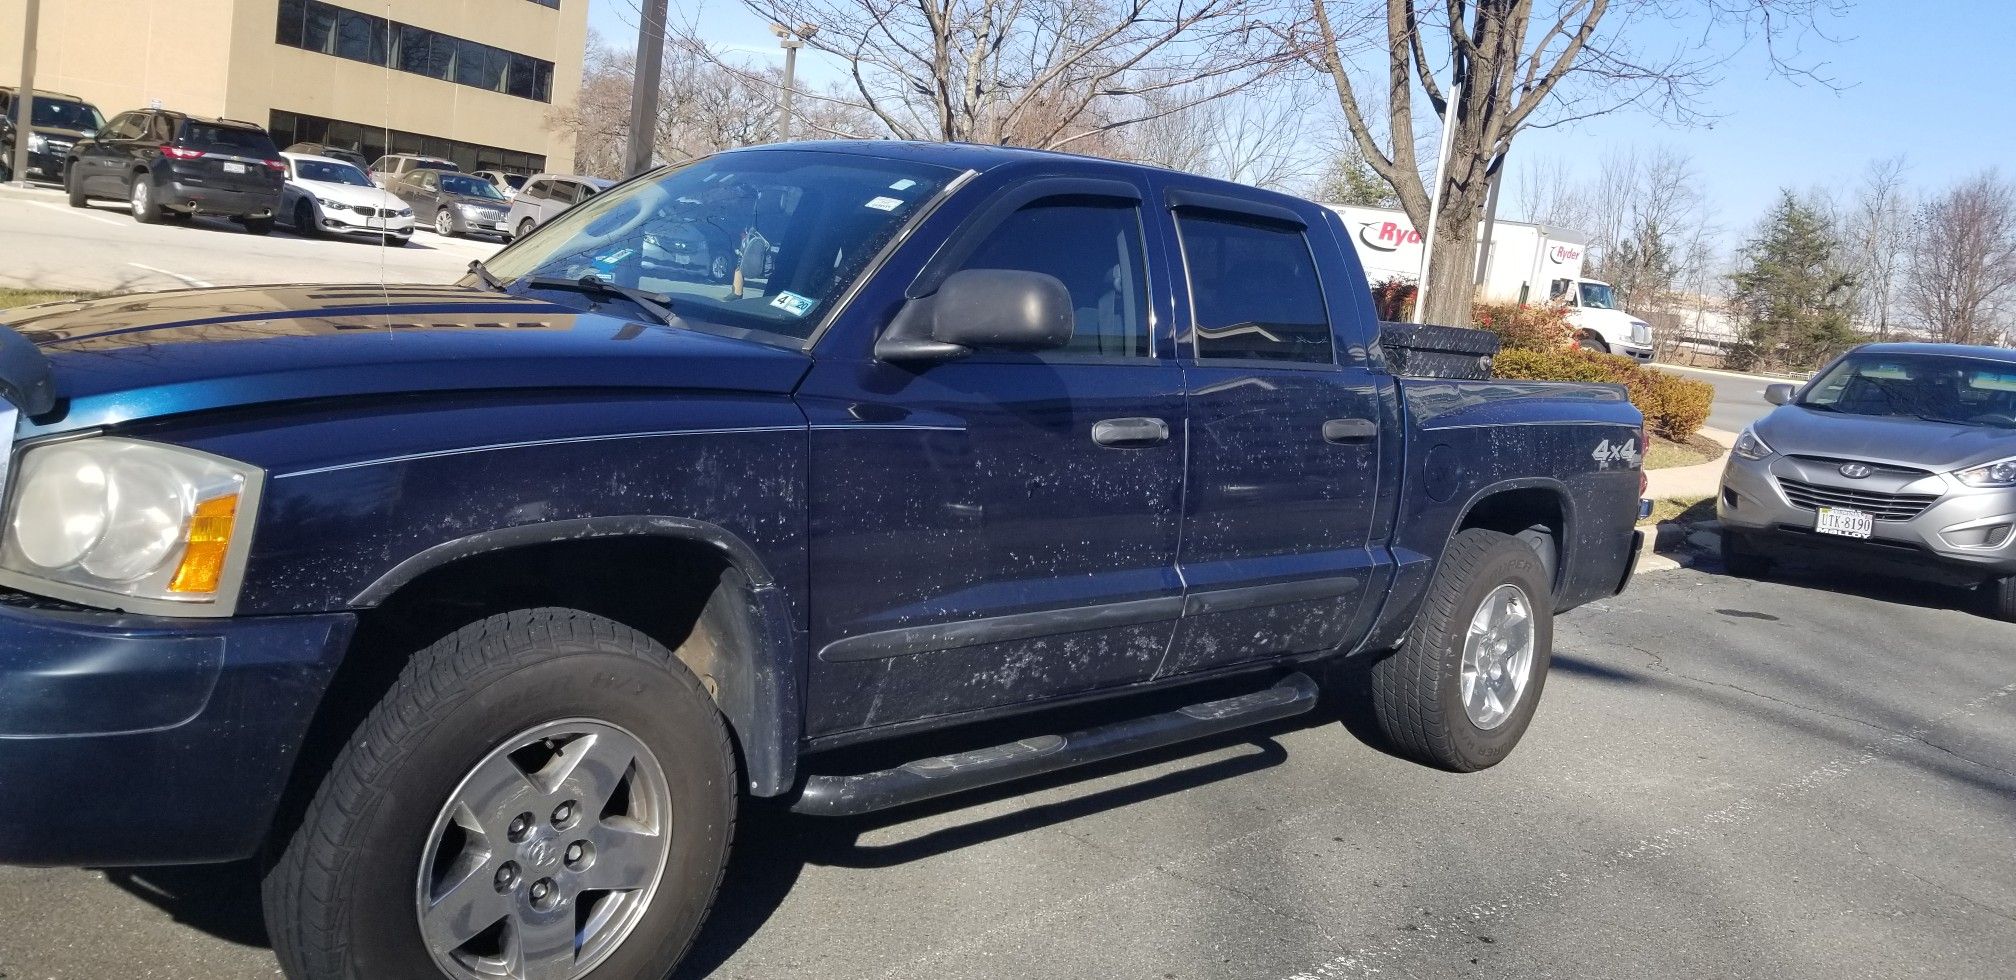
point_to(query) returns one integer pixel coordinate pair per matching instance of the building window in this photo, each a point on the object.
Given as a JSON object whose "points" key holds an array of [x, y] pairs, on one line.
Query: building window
{"points": [[312, 25], [289, 128]]}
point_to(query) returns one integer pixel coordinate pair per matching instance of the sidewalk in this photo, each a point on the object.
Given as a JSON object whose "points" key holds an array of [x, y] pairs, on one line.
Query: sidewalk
{"points": [[1689, 482]]}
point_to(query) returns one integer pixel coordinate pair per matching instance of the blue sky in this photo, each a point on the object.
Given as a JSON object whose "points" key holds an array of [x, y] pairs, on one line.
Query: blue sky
{"points": [[1920, 80]]}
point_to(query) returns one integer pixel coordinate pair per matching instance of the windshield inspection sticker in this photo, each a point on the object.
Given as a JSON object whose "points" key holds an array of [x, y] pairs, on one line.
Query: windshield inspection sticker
{"points": [[886, 203], [903, 185], [793, 303]]}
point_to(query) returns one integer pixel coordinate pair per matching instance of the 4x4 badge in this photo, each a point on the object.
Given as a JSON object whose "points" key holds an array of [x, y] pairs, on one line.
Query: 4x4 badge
{"points": [[1856, 471]]}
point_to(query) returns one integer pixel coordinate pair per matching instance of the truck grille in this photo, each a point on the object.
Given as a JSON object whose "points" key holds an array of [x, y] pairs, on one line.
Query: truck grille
{"points": [[1884, 506]]}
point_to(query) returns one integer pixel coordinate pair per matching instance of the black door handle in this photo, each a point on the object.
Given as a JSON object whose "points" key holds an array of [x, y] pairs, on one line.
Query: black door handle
{"points": [[1349, 430], [1130, 433]]}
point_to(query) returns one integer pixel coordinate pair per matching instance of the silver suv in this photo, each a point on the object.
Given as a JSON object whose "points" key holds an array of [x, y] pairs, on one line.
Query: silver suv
{"points": [[1896, 456]]}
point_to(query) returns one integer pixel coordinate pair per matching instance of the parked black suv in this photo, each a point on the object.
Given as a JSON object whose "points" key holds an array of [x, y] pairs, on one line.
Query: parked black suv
{"points": [[58, 123], [170, 164]]}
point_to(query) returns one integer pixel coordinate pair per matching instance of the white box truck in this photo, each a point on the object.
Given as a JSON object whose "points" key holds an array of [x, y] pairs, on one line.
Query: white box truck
{"points": [[1526, 263]]}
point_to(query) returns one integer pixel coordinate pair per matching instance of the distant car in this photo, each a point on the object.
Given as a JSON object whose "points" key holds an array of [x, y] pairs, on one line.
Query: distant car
{"points": [[326, 196], [351, 157], [1898, 457], [58, 123], [397, 166], [507, 184], [175, 165], [454, 203], [547, 195]]}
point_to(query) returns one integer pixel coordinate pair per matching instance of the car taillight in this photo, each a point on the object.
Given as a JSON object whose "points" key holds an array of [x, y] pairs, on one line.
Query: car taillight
{"points": [[279, 166], [181, 153]]}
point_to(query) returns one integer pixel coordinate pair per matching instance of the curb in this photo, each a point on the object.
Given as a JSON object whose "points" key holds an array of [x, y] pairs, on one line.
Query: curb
{"points": [[1671, 545]]}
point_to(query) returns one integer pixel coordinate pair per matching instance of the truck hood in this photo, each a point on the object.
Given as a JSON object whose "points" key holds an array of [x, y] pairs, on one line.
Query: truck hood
{"points": [[157, 354], [1937, 446]]}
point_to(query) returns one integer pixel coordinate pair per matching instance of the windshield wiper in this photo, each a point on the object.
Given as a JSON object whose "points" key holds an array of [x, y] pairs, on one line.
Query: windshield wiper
{"points": [[658, 305], [485, 276]]}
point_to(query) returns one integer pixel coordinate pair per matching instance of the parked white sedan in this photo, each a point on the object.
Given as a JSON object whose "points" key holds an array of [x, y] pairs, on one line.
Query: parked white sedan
{"points": [[326, 196]]}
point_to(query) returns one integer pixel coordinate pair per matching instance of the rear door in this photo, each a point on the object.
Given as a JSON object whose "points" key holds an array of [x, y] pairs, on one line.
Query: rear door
{"points": [[1283, 467]]}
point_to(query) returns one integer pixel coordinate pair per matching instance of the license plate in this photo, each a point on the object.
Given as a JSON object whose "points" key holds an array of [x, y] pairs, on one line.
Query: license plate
{"points": [[233, 168], [1844, 522]]}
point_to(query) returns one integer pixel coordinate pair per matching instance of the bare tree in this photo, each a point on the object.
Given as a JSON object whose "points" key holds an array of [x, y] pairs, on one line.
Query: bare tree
{"points": [[1878, 225], [702, 108], [1546, 193], [1259, 136], [1522, 64], [1963, 260], [1043, 73]]}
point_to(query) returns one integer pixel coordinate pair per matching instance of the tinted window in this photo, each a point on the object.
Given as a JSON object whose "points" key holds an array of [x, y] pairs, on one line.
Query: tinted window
{"points": [[64, 114], [125, 126], [562, 192], [1253, 291], [319, 31], [360, 37], [161, 128], [517, 181], [1093, 246], [539, 189], [414, 54], [334, 173], [250, 140], [468, 186], [1936, 388]]}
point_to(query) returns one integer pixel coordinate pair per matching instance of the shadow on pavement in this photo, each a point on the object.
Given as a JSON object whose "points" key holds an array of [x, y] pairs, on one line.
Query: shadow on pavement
{"points": [[219, 899]]}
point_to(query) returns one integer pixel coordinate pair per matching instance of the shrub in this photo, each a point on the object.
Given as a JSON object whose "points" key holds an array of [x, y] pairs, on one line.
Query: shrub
{"points": [[1394, 299], [1525, 326], [1674, 407]]}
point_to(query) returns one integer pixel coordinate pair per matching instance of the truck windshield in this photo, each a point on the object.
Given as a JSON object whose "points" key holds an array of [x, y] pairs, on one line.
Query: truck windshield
{"points": [[763, 241], [1597, 296], [1938, 388]]}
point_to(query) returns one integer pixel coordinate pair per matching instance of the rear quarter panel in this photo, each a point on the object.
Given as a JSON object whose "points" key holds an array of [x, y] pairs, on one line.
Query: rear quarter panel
{"points": [[1468, 440]]}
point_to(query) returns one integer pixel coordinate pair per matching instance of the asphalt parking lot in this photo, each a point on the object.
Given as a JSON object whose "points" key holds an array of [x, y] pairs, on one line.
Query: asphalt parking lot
{"points": [[1726, 779], [49, 245]]}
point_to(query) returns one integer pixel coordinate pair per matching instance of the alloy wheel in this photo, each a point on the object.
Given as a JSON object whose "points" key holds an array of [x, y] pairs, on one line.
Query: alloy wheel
{"points": [[1497, 657]]}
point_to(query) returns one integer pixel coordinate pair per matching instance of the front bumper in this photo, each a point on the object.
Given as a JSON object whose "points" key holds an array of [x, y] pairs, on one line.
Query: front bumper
{"points": [[136, 740], [1964, 534], [485, 224], [351, 223], [1642, 355], [233, 202]]}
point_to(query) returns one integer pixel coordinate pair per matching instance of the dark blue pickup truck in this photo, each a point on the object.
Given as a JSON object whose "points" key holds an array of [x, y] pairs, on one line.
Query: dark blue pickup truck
{"points": [[475, 611]]}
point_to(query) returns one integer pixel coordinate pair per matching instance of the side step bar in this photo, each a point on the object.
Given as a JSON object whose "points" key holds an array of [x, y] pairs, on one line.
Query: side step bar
{"points": [[924, 779]]}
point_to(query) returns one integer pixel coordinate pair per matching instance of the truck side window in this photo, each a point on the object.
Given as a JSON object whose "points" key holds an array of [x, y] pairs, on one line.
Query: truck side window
{"points": [[1094, 246], [1253, 291]]}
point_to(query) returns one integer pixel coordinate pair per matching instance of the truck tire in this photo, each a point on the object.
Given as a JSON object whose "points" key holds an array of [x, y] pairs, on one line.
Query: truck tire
{"points": [[525, 770], [1739, 560], [1591, 341], [1461, 690]]}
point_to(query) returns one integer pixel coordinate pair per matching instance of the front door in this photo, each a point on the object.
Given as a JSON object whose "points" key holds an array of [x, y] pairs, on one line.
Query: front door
{"points": [[1284, 445], [1002, 528]]}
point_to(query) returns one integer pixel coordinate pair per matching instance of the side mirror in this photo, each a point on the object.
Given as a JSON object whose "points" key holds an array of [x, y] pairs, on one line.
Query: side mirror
{"points": [[1779, 394], [995, 309]]}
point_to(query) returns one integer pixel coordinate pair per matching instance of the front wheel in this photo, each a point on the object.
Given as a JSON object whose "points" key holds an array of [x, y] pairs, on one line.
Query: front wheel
{"points": [[1461, 690], [1591, 341], [259, 226], [544, 794], [2001, 595], [305, 224], [444, 223], [74, 186]]}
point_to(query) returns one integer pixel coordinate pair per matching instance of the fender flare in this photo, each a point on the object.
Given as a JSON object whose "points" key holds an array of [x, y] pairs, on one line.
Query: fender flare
{"points": [[764, 708]]}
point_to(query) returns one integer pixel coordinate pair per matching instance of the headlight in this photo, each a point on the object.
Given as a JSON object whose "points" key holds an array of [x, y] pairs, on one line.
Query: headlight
{"points": [[1749, 446], [2001, 473], [37, 143], [405, 212], [333, 205], [102, 519], [1641, 333]]}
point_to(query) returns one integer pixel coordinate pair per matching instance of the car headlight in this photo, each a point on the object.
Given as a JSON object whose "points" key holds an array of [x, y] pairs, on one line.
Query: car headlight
{"points": [[333, 205], [2001, 473], [405, 212], [1749, 446], [37, 143], [103, 519]]}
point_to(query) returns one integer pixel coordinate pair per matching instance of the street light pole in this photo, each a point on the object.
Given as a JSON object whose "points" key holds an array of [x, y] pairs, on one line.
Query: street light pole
{"points": [[790, 40], [24, 96], [644, 89]]}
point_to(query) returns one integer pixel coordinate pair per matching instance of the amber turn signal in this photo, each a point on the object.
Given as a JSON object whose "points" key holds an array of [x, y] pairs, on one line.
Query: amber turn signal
{"points": [[202, 567]]}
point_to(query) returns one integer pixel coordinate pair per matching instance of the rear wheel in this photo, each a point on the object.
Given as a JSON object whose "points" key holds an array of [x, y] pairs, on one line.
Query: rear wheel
{"points": [[259, 226], [544, 794], [140, 200], [305, 224], [1461, 690], [1741, 560], [525, 227]]}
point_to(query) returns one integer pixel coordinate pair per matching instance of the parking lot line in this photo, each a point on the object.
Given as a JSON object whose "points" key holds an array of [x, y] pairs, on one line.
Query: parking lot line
{"points": [[63, 209], [186, 280]]}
